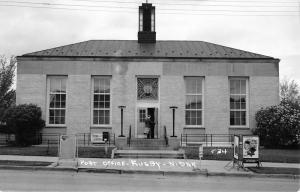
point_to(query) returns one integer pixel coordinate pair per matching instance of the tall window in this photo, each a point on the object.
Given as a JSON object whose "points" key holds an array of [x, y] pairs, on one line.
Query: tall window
{"points": [[57, 100], [101, 101], [194, 99], [238, 101]]}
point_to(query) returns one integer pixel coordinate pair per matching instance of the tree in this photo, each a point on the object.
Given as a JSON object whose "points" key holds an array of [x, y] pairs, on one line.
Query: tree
{"points": [[279, 125], [289, 90], [25, 121], [7, 74]]}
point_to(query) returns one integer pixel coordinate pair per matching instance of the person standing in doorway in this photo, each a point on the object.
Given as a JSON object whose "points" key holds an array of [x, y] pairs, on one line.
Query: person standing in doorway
{"points": [[149, 128]]}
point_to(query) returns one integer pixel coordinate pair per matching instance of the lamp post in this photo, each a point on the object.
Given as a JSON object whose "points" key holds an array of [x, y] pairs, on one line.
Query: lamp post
{"points": [[122, 107], [173, 109]]}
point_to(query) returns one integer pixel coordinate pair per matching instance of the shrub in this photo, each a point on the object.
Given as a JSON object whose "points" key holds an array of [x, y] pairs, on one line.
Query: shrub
{"points": [[279, 126], [25, 122]]}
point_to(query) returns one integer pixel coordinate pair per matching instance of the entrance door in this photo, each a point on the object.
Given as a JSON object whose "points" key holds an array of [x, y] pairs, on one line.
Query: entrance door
{"points": [[142, 114]]}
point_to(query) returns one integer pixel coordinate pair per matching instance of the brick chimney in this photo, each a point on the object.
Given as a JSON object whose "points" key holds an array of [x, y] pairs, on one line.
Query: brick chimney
{"points": [[146, 32]]}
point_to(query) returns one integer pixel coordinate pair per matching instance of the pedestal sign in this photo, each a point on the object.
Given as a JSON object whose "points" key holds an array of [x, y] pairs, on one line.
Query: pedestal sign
{"points": [[250, 151], [67, 147]]}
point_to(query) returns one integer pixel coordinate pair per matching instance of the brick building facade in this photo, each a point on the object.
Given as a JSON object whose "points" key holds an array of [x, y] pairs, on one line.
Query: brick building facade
{"points": [[80, 87]]}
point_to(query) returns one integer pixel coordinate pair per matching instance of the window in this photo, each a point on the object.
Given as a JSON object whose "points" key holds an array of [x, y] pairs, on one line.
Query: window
{"points": [[142, 115], [194, 99], [101, 101], [238, 102], [57, 100]]}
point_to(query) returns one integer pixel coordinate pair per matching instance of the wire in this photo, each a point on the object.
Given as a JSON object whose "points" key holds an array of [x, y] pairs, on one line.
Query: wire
{"points": [[172, 13], [185, 4], [135, 8], [236, 1], [61, 4], [63, 8], [161, 11]]}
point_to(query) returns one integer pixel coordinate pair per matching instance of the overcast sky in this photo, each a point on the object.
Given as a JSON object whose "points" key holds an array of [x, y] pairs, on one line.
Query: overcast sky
{"points": [[233, 23]]}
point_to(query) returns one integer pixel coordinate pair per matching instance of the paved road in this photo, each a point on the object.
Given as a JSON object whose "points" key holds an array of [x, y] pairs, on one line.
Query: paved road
{"points": [[15, 180]]}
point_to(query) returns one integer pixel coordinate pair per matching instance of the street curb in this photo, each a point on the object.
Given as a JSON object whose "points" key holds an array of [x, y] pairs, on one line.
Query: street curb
{"points": [[254, 175], [163, 173], [146, 172]]}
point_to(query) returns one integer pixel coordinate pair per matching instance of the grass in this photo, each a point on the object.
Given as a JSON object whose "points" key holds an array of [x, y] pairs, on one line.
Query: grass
{"points": [[280, 155], [92, 152], [24, 163], [275, 170], [266, 155], [29, 151]]}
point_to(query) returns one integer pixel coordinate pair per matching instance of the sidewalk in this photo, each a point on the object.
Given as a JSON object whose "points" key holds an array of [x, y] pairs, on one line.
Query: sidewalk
{"points": [[154, 166]]}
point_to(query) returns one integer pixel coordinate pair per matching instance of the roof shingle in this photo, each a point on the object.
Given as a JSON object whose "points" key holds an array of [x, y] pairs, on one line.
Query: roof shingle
{"points": [[160, 49]]}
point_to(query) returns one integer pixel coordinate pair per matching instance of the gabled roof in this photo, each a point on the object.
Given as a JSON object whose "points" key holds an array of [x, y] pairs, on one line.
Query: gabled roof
{"points": [[133, 49]]}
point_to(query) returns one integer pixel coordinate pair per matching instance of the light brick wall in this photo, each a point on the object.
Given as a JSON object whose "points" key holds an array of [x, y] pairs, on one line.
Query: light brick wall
{"points": [[264, 91], [216, 102], [78, 115], [172, 94]]}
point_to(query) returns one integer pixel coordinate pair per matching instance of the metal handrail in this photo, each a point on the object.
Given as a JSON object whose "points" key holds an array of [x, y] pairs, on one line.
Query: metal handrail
{"points": [[166, 136], [206, 138], [129, 136]]}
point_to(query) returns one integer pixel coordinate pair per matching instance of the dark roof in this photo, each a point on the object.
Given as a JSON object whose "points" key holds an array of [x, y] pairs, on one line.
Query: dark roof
{"points": [[160, 49]]}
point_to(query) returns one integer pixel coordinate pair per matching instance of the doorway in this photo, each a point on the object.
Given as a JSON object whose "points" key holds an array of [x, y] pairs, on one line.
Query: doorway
{"points": [[142, 114]]}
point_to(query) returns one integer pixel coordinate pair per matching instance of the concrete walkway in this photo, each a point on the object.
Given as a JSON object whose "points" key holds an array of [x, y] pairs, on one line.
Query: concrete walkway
{"points": [[209, 167]]}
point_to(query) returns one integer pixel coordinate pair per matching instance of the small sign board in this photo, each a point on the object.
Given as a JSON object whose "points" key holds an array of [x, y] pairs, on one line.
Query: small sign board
{"points": [[200, 151], [236, 148], [97, 138]]}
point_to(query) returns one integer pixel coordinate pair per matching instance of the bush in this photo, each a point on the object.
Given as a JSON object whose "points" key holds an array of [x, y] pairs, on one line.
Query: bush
{"points": [[25, 122], [279, 126]]}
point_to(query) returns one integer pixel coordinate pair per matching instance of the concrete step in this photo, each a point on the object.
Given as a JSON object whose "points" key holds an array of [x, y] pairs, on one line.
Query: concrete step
{"points": [[161, 147], [170, 154], [147, 142]]}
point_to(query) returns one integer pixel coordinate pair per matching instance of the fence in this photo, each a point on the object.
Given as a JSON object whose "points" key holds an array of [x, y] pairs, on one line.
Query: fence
{"points": [[83, 139], [6, 138], [206, 139]]}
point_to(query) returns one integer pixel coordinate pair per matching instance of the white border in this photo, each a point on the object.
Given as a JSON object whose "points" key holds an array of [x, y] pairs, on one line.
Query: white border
{"points": [[203, 103], [92, 98], [247, 101], [48, 77]]}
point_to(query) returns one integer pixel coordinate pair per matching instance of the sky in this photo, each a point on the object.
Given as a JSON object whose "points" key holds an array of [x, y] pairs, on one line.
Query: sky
{"points": [[268, 27]]}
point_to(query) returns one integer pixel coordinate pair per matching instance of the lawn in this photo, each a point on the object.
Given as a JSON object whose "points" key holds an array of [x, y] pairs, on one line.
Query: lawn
{"points": [[24, 163], [280, 155], [266, 155], [92, 152], [29, 151], [275, 170]]}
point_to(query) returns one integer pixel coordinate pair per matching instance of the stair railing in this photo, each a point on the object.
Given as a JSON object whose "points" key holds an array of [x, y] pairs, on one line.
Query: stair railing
{"points": [[129, 136], [166, 136]]}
